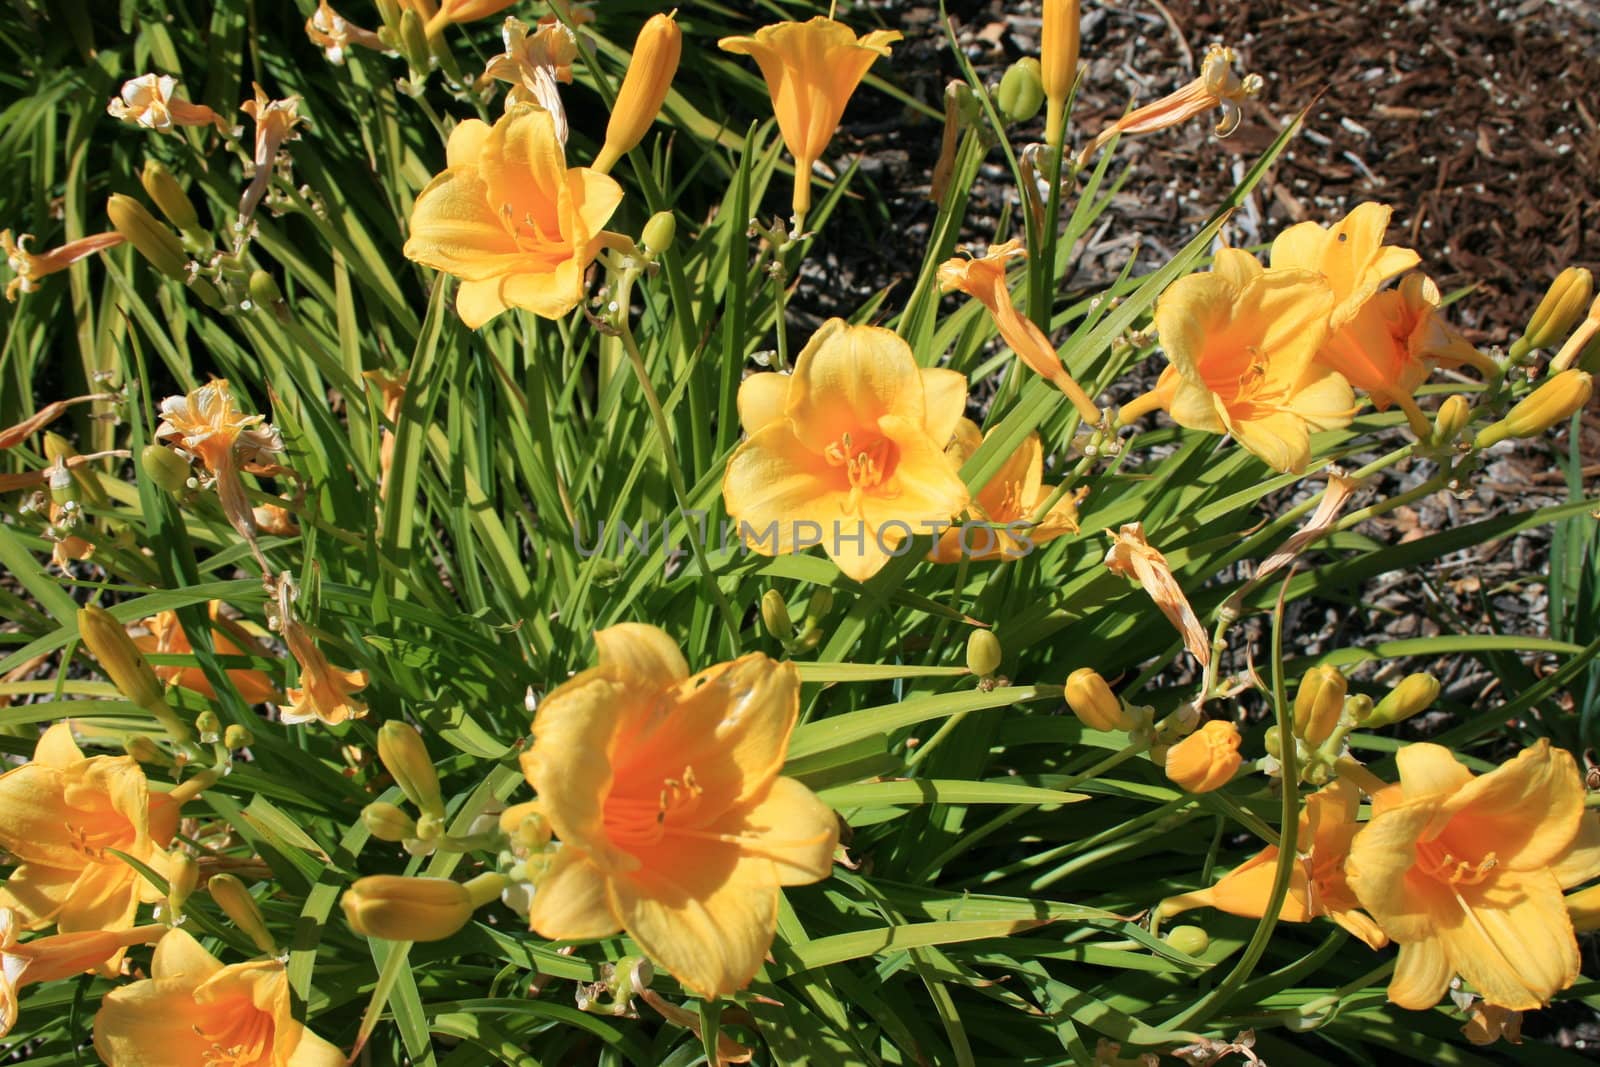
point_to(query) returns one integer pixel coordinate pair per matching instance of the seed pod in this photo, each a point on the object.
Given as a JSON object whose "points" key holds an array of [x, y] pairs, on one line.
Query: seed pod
{"points": [[1318, 704], [1093, 702], [236, 737], [1021, 92], [644, 88], [1207, 759], [1414, 693], [209, 726], [983, 653], [1551, 403], [658, 232], [165, 467]]}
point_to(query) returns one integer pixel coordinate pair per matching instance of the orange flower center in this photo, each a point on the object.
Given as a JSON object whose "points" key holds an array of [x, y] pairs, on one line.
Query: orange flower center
{"points": [[1437, 862], [637, 819], [244, 1038], [868, 462], [533, 237]]}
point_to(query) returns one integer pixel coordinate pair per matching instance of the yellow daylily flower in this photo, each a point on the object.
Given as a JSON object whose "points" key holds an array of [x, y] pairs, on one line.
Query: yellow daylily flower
{"points": [[1393, 342], [848, 452], [64, 813], [194, 1010], [29, 267], [1350, 255], [511, 219], [57, 956], [164, 635], [148, 101], [1465, 874], [1241, 342], [1217, 86], [675, 824], [1317, 884], [812, 69], [984, 280], [1007, 501]]}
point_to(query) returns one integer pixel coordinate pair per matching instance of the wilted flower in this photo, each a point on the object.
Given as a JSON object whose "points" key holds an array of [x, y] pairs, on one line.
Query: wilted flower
{"points": [[148, 101], [1241, 341], [1216, 87], [511, 219], [334, 34], [29, 267], [1350, 255], [985, 281], [165, 636], [644, 88], [1465, 874], [325, 692], [57, 956], [674, 821], [277, 121], [533, 64], [193, 1010], [1133, 557], [1007, 502], [812, 69], [1317, 883], [208, 426], [1489, 1023], [850, 448]]}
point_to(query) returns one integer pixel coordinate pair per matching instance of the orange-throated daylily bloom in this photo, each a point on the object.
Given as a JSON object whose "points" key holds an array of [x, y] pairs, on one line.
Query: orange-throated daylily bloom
{"points": [[1241, 342], [56, 956], [148, 101], [1317, 884], [985, 281], [207, 425], [29, 267], [325, 692], [511, 219], [1132, 556], [534, 63], [675, 824], [1392, 344], [812, 69], [276, 121], [164, 636], [1216, 87], [64, 812], [193, 1010], [1007, 501], [1350, 255], [334, 34], [1465, 874], [847, 452]]}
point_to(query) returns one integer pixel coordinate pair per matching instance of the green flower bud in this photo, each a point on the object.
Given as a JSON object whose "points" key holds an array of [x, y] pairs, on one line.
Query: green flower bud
{"points": [[1021, 93], [1414, 693], [108, 642], [165, 467], [1189, 940], [155, 242], [983, 653], [775, 616], [237, 737], [183, 875], [210, 727], [238, 905], [659, 232]]}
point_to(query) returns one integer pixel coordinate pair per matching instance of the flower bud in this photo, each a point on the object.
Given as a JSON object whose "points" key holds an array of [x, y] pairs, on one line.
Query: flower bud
{"points": [[983, 653], [416, 909], [406, 758], [644, 88], [658, 232], [164, 190], [387, 822], [1453, 416], [165, 467], [820, 604], [1058, 62], [264, 291], [183, 875], [144, 750], [1021, 92], [1584, 908], [414, 41], [1093, 702], [126, 666], [1541, 409], [526, 826], [1272, 741], [155, 242], [1414, 693], [209, 726], [1207, 759], [237, 903], [1189, 940], [1560, 309], [236, 737], [775, 616], [1582, 348], [1318, 704]]}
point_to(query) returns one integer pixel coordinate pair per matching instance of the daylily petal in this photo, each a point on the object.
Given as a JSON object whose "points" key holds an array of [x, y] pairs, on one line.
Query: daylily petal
{"points": [[1581, 862], [1516, 944], [1526, 811], [761, 400], [150, 1024], [56, 748], [454, 229], [478, 302], [792, 827], [1426, 770], [1421, 975], [847, 378], [642, 655], [569, 765], [945, 399], [466, 143], [571, 903], [774, 483]]}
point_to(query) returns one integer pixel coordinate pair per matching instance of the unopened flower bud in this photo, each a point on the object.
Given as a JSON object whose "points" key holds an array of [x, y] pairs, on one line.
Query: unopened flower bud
{"points": [[658, 233], [236, 737], [1358, 707], [1559, 311], [775, 615], [1272, 741], [1318, 704], [237, 903], [387, 822], [414, 41], [1414, 693], [820, 604], [1207, 759], [1093, 702], [1058, 61], [209, 726], [1021, 92], [155, 242], [526, 826], [406, 758], [165, 467], [183, 875], [164, 190], [1584, 908], [125, 665], [1582, 348], [416, 909], [983, 653], [1453, 416], [644, 88], [144, 750], [1551, 403], [1189, 940]]}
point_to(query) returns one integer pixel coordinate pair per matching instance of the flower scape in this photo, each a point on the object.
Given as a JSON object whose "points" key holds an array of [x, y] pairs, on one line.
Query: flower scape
{"points": [[459, 611]]}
